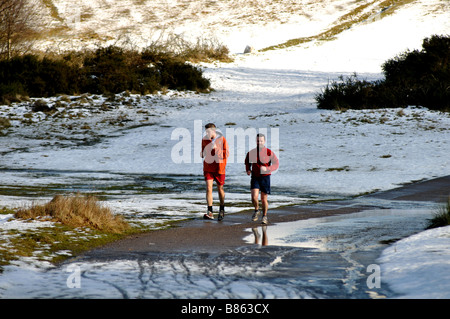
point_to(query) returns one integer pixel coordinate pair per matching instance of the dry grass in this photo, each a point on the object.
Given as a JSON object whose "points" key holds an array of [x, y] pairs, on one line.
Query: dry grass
{"points": [[201, 50], [442, 216], [206, 50], [77, 211]]}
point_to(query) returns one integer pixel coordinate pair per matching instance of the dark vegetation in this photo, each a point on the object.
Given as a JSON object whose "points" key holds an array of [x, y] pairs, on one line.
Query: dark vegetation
{"points": [[105, 70], [413, 78]]}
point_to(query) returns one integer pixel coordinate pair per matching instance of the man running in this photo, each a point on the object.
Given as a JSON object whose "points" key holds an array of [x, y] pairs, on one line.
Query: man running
{"points": [[215, 153], [260, 162]]}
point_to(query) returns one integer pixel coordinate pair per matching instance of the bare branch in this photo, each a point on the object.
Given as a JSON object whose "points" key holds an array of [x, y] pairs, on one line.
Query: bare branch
{"points": [[19, 21]]}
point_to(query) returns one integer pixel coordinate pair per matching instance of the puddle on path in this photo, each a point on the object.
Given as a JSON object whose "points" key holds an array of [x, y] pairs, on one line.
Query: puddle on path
{"points": [[316, 258]]}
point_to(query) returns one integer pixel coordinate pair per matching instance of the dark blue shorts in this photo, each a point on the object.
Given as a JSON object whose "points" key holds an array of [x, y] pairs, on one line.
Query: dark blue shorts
{"points": [[262, 183]]}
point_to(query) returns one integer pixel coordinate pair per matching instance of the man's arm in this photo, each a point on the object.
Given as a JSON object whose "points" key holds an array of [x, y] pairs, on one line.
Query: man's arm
{"points": [[248, 166], [225, 152], [274, 163]]}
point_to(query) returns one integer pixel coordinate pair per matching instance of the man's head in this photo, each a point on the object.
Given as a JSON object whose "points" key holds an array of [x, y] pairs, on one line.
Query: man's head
{"points": [[210, 130], [260, 140]]}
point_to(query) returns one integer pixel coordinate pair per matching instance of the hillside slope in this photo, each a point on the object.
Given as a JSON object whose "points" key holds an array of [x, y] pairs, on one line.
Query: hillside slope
{"points": [[236, 23]]}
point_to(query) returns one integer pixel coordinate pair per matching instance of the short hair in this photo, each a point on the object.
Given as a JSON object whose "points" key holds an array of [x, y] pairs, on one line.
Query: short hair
{"points": [[260, 135], [210, 125]]}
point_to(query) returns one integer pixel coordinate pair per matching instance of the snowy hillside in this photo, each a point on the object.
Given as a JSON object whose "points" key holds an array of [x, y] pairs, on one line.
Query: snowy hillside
{"points": [[236, 23], [248, 20]]}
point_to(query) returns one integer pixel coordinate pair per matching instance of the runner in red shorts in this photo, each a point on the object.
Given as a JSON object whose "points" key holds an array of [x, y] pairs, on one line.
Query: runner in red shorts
{"points": [[215, 153]]}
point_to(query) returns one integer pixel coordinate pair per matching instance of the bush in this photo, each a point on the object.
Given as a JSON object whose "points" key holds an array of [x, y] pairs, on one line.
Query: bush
{"points": [[349, 93], [422, 77], [105, 70], [110, 70], [419, 78], [30, 75], [181, 76]]}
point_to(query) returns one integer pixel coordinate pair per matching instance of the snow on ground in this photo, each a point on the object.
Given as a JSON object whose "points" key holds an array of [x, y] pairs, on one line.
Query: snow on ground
{"points": [[414, 267], [128, 147], [366, 46], [419, 266]]}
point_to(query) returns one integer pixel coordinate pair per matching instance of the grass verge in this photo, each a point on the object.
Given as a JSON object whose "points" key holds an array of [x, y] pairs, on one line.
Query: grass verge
{"points": [[77, 211], [64, 227], [442, 216]]}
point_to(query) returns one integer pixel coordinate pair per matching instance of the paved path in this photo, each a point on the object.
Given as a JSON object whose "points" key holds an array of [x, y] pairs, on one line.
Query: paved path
{"points": [[213, 236]]}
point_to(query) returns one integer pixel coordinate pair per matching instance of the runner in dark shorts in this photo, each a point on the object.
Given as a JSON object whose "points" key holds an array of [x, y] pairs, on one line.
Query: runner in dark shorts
{"points": [[260, 162], [261, 182]]}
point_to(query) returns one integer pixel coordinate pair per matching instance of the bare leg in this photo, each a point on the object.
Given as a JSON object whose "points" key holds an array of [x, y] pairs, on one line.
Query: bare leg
{"points": [[255, 195], [221, 192], [209, 192], [265, 239], [265, 203]]}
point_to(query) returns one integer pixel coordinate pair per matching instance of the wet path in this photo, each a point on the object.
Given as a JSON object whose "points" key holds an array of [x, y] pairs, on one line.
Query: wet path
{"points": [[313, 258], [326, 257]]}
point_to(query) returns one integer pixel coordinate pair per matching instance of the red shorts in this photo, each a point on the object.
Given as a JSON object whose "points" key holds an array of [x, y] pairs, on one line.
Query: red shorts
{"points": [[219, 178]]}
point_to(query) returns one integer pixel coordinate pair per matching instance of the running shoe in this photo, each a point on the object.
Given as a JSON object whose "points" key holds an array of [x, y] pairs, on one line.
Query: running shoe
{"points": [[221, 214], [208, 215], [256, 214], [264, 220]]}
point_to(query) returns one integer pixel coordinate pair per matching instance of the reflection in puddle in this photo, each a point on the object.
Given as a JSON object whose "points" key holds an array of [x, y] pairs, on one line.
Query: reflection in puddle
{"points": [[363, 230], [264, 240]]}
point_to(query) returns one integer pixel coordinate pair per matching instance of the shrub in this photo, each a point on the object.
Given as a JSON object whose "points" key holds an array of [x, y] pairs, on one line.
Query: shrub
{"points": [[41, 106], [411, 78], [349, 93], [182, 76], [10, 91], [29, 75], [105, 70], [422, 77], [113, 70]]}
